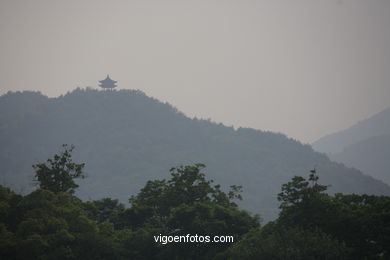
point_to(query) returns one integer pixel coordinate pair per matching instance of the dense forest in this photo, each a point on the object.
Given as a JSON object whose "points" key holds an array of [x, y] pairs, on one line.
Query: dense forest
{"points": [[128, 138], [52, 223]]}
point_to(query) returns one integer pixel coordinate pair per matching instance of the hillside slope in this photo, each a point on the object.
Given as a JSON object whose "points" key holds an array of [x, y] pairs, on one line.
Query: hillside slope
{"points": [[378, 124], [370, 156], [126, 138], [364, 146]]}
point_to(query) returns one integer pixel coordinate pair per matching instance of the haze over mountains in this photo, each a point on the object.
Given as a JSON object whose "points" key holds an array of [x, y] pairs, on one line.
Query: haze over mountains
{"points": [[376, 125], [126, 138], [365, 146]]}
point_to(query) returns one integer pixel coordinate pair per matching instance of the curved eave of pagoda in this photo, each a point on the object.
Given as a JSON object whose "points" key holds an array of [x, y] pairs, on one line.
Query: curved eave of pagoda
{"points": [[107, 81]]}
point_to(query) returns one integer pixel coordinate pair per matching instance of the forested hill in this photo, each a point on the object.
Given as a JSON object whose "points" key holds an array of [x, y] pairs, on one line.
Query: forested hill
{"points": [[126, 138]]}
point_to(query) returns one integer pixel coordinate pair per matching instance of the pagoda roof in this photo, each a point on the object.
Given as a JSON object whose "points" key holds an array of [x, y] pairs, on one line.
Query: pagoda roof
{"points": [[107, 80]]}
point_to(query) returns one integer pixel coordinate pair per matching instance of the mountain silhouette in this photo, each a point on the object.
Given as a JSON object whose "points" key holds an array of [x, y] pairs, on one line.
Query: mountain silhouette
{"points": [[376, 125], [364, 146], [127, 138]]}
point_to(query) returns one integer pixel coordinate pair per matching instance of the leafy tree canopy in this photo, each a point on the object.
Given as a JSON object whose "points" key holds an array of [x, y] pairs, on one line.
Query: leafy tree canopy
{"points": [[361, 221], [59, 172], [188, 203], [187, 185]]}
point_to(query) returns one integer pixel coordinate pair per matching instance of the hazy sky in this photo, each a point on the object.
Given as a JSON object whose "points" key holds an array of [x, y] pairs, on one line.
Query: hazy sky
{"points": [[303, 68]]}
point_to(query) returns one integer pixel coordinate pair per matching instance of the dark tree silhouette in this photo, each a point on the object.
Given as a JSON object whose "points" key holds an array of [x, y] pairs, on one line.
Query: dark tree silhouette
{"points": [[59, 172]]}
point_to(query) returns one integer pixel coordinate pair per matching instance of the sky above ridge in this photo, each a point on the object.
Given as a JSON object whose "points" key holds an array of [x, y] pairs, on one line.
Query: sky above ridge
{"points": [[300, 67]]}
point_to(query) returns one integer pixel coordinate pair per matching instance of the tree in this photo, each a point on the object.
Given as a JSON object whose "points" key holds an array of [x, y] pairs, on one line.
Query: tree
{"points": [[187, 203], [105, 210], [188, 185], [362, 222], [59, 172], [305, 203], [300, 190], [277, 242]]}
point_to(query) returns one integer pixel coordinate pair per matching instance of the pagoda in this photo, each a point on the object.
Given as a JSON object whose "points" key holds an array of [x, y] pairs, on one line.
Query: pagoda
{"points": [[107, 83]]}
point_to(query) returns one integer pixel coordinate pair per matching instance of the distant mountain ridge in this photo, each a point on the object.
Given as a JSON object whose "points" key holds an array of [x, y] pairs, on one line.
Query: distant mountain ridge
{"points": [[370, 156], [364, 146], [378, 124], [126, 138]]}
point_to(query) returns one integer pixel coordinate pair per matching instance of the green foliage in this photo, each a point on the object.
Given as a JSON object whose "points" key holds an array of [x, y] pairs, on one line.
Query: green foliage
{"points": [[361, 221], [187, 203], [57, 226], [302, 201], [316, 225], [206, 218], [300, 191], [275, 242], [8, 200], [48, 224], [106, 210], [51, 223], [188, 185], [58, 174]]}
